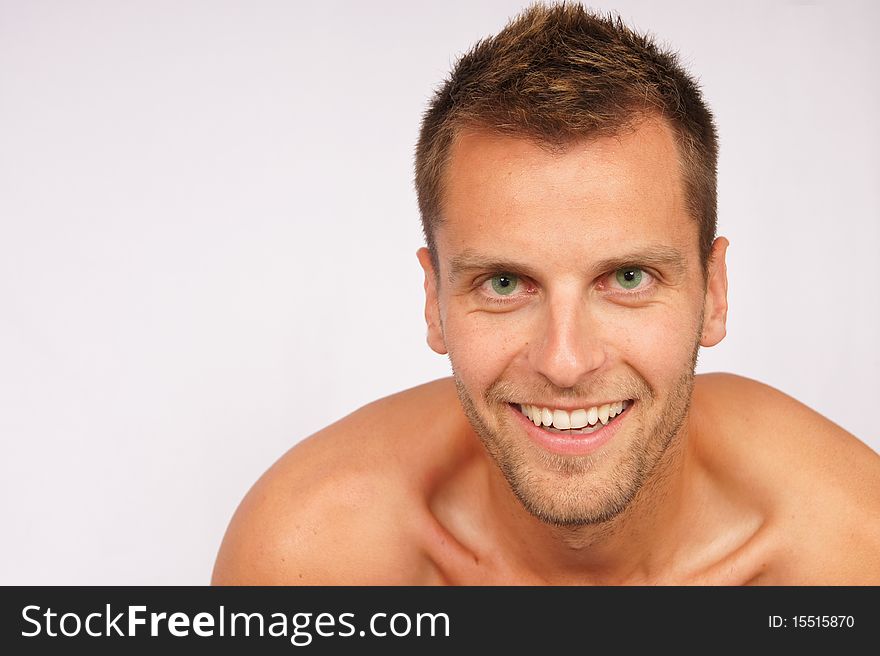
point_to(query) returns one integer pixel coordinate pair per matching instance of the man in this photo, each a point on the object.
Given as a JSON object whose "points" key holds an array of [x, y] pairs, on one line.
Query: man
{"points": [[566, 180]]}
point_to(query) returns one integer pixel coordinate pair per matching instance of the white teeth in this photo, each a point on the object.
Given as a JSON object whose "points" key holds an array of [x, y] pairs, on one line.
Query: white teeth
{"points": [[578, 418], [561, 420]]}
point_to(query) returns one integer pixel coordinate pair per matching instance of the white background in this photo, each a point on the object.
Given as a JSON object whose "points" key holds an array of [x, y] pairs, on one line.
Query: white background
{"points": [[208, 228]]}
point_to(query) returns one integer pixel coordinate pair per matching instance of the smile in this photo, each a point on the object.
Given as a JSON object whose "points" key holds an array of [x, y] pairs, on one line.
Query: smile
{"points": [[580, 421]]}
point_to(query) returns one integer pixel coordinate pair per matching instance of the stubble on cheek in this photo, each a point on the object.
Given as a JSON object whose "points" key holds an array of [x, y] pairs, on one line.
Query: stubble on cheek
{"points": [[586, 490], [547, 485]]}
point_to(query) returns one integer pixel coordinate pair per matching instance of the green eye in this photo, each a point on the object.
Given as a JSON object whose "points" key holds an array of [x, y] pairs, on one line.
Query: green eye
{"points": [[630, 277], [504, 284]]}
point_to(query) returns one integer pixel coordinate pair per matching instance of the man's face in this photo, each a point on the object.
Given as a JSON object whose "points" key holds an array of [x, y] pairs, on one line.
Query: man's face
{"points": [[570, 284]]}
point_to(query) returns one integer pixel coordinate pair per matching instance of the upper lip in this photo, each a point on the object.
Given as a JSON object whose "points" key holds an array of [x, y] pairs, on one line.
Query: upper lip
{"points": [[569, 407]]}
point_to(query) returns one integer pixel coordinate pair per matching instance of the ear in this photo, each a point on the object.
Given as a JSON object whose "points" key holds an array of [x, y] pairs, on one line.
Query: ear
{"points": [[715, 304], [432, 303]]}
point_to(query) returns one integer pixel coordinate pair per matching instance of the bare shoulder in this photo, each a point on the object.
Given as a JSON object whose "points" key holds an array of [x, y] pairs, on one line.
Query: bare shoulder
{"points": [[341, 507], [773, 424], [818, 485]]}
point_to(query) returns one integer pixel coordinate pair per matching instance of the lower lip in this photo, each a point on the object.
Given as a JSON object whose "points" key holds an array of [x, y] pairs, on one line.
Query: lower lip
{"points": [[574, 444]]}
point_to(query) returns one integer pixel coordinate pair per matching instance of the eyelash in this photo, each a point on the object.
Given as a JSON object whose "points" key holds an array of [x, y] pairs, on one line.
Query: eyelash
{"points": [[643, 291], [497, 300]]}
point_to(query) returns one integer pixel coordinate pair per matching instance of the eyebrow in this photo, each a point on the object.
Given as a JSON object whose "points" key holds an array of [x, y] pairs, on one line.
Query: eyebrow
{"points": [[468, 261], [662, 258]]}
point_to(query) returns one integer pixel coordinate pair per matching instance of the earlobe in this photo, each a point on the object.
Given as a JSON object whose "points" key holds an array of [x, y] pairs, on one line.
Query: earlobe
{"points": [[715, 304], [432, 305]]}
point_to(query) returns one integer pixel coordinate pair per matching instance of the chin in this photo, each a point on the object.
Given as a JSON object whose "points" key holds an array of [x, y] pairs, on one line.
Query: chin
{"points": [[574, 491]]}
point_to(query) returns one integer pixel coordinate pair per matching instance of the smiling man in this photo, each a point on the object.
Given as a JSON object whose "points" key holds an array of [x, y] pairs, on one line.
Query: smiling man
{"points": [[566, 180]]}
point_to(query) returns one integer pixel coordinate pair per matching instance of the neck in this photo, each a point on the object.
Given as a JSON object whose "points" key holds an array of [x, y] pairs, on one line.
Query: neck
{"points": [[631, 547]]}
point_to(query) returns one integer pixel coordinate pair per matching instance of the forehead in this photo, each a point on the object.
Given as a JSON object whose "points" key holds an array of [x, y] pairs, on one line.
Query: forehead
{"points": [[617, 193]]}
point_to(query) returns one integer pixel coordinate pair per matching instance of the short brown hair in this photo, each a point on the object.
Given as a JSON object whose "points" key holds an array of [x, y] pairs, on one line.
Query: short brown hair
{"points": [[558, 73]]}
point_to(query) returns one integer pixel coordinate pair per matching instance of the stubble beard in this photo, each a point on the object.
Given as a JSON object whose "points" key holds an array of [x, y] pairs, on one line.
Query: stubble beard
{"points": [[572, 491]]}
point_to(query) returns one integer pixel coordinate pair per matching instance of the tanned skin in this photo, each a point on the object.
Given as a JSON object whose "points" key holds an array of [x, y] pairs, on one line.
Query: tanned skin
{"points": [[722, 480]]}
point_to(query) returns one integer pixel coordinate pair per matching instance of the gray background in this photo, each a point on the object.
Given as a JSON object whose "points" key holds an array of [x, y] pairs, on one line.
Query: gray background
{"points": [[208, 228]]}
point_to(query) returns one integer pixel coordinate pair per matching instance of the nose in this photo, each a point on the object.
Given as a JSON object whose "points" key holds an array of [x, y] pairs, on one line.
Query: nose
{"points": [[569, 345]]}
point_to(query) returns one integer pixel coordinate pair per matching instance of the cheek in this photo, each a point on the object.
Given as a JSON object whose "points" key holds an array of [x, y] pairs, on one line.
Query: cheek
{"points": [[658, 344], [481, 347]]}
